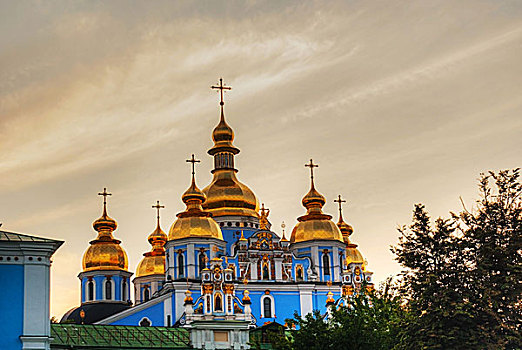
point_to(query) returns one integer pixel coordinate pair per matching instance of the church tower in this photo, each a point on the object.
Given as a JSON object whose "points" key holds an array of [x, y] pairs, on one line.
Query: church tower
{"points": [[317, 236], [105, 287], [233, 205], [150, 273], [194, 238]]}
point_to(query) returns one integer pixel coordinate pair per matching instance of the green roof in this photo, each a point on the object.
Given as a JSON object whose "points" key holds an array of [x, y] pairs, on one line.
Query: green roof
{"points": [[101, 337]]}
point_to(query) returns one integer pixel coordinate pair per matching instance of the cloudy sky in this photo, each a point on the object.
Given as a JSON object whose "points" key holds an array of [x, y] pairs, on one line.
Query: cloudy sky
{"points": [[399, 102]]}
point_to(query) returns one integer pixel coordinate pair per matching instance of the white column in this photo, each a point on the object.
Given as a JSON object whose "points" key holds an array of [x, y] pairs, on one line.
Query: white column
{"points": [[337, 270], [305, 298], [278, 269], [191, 261], [37, 326], [253, 270]]}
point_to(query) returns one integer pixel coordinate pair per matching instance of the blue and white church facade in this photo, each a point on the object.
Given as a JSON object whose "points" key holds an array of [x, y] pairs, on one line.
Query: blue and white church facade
{"points": [[221, 260], [25, 263]]}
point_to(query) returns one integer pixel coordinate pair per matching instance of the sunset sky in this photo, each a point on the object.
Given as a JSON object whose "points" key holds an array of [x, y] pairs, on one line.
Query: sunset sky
{"points": [[399, 102]]}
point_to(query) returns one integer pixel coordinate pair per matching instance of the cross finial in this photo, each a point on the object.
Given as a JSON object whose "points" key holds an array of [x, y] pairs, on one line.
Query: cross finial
{"points": [[193, 160], [311, 165], [158, 207], [340, 201], [221, 87], [104, 194], [264, 210]]}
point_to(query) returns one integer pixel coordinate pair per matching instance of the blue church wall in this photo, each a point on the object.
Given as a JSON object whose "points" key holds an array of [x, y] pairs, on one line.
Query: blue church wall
{"points": [[12, 305], [319, 300], [155, 314], [285, 303], [231, 235], [305, 263]]}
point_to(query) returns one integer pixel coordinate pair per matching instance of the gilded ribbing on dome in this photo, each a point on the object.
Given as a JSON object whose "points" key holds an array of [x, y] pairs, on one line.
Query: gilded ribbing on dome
{"points": [[194, 221], [105, 252], [153, 262], [315, 225]]}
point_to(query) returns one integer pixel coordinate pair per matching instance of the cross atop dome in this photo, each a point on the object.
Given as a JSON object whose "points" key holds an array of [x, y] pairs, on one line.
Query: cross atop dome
{"points": [[340, 201], [105, 194], [221, 87]]}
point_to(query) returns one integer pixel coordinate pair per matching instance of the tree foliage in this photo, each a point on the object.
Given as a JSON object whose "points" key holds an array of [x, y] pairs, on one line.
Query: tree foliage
{"points": [[461, 287]]}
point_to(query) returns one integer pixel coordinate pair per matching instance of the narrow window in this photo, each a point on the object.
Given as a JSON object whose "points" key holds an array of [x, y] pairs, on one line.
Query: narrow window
{"points": [[124, 290], [146, 294], [326, 265], [218, 303], [299, 273], [201, 261], [108, 289], [168, 321], [90, 290], [266, 275], [180, 264], [267, 307]]}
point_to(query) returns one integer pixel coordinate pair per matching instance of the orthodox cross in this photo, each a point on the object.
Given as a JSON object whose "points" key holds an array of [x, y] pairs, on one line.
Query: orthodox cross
{"points": [[104, 194], [264, 210], [221, 87], [311, 165], [193, 160], [158, 207], [340, 201], [283, 225]]}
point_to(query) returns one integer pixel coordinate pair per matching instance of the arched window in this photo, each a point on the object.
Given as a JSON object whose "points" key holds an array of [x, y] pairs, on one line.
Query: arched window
{"points": [[299, 272], [124, 290], [108, 289], [202, 261], [90, 290], [181, 268], [326, 264], [218, 303], [266, 274], [267, 307], [146, 293]]}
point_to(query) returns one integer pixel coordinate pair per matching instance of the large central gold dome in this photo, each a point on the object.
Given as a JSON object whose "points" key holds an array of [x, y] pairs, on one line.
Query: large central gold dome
{"points": [[226, 195]]}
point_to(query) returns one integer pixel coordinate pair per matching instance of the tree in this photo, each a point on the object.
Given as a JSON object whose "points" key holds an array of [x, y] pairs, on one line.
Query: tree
{"points": [[369, 320], [433, 286], [493, 239]]}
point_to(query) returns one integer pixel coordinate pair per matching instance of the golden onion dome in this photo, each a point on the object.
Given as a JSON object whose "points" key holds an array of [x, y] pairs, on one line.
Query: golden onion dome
{"points": [[315, 225], [194, 221], [105, 252], [153, 262], [226, 195], [353, 255]]}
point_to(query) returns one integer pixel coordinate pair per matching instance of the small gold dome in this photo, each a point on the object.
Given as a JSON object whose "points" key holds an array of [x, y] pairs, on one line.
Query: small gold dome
{"points": [[315, 225], [353, 255], [194, 221], [105, 252], [153, 262]]}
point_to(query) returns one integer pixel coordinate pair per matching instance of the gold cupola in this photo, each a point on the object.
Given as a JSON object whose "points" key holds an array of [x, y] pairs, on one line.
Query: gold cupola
{"points": [[346, 229], [194, 221], [226, 195], [105, 252], [315, 225], [153, 262]]}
